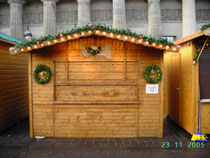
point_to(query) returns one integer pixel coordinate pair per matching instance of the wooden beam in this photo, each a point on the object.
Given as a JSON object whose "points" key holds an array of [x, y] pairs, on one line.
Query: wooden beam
{"points": [[97, 103], [188, 38], [97, 83], [1, 39], [202, 48]]}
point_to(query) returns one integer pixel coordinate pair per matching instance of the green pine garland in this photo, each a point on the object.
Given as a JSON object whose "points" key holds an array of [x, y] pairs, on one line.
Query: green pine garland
{"points": [[93, 27], [198, 46], [197, 52], [93, 52], [40, 68], [204, 27], [147, 74]]}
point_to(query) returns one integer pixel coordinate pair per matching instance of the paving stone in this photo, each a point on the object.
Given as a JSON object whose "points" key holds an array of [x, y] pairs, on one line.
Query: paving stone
{"points": [[15, 142]]}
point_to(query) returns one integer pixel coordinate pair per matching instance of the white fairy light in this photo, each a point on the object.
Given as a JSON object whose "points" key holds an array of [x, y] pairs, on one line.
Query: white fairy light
{"points": [[140, 40], [167, 47], [69, 37]]}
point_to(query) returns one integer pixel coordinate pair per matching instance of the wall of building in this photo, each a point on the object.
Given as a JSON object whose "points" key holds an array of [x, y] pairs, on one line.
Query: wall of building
{"points": [[87, 98], [136, 15], [181, 87], [14, 87]]}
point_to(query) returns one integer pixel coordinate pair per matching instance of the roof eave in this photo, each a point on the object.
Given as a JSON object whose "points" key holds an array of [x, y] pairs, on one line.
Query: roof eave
{"points": [[189, 38]]}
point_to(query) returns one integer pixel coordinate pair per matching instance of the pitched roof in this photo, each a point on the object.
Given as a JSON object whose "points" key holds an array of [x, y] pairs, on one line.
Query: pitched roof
{"points": [[9, 39], [97, 30]]}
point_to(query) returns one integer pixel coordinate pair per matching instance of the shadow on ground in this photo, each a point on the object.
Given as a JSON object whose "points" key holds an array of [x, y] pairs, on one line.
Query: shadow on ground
{"points": [[15, 142]]}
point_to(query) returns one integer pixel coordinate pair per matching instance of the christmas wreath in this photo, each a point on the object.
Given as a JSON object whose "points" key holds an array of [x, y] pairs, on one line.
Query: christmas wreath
{"points": [[150, 69], [42, 68], [93, 50]]}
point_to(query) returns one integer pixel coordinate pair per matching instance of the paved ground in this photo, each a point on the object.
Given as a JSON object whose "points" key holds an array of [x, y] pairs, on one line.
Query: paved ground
{"points": [[15, 142]]}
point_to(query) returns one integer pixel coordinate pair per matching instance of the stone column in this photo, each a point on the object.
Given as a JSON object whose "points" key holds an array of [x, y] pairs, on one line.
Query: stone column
{"points": [[119, 15], [154, 18], [49, 16], [188, 17], [84, 15], [16, 18]]}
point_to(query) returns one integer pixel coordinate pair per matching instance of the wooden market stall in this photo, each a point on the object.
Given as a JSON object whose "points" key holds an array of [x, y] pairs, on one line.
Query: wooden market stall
{"points": [[96, 83], [13, 84], [184, 72]]}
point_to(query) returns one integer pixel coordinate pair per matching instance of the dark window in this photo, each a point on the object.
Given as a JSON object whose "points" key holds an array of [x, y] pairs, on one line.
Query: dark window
{"points": [[170, 38], [204, 74]]}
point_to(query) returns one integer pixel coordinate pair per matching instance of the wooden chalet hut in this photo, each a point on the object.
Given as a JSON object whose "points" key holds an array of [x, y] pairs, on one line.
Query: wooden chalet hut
{"points": [[184, 72], [91, 83], [13, 84]]}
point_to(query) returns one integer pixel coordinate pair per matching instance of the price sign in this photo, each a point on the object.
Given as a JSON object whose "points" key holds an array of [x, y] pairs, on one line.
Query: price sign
{"points": [[152, 89]]}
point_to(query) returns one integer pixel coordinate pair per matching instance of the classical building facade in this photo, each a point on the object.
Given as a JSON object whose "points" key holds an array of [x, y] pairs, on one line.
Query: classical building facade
{"points": [[167, 18]]}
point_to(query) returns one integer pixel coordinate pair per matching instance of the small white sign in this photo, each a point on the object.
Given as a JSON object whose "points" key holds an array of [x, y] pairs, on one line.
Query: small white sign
{"points": [[151, 88]]}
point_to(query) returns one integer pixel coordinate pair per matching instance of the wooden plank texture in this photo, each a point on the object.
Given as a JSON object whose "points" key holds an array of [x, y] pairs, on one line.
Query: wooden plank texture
{"points": [[14, 87], [98, 97]]}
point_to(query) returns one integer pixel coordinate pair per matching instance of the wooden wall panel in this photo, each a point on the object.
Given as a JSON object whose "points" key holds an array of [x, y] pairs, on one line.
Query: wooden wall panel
{"points": [[205, 115], [96, 94], [149, 108], [96, 121], [182, 107], [91, 82], [42, 120], [167, 83], [14, 87]]}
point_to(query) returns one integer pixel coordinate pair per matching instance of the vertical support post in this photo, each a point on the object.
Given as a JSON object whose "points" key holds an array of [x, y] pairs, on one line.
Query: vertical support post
{"points": [[54, 97], [124, 61], [54, 86], [138, 65], [30, 94], [161, 96], [67, 63]]}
